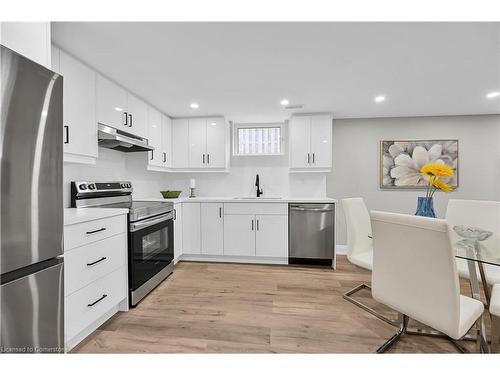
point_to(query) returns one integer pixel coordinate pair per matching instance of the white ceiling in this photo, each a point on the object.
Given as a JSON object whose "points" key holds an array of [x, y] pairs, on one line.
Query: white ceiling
{"points": [[243, 70]]}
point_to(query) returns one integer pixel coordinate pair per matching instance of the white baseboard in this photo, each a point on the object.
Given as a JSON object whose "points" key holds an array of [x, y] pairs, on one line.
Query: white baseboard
{"points": [[341, 249], [232, 259]]}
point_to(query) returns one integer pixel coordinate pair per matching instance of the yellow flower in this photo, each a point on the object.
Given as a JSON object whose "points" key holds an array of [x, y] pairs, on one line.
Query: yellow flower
{"points": [[443, 186], [437, 169]]}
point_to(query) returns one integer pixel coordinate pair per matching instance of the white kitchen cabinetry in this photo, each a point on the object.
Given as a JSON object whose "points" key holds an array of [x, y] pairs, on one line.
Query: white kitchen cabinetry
{"points": [[137, 112], [191, 231], [166, 123], [79, 109], [216, 143], [111, 104], [271, 236], [180, 143], [155, 137], [212, 228], [95, 276], [177, 231], [310, 145], [197, 143], [30, 39], [239, 235]]}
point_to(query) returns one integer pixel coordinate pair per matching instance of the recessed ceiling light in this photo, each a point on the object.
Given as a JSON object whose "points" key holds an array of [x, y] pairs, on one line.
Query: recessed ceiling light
{"points": [[379, 99], [213, 123], [118, 109], [284, 102], [494, 94], [194, 105]]}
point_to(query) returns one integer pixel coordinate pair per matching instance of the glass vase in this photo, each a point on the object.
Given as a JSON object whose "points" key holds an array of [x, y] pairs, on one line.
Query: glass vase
{"points": [[425, 207]]}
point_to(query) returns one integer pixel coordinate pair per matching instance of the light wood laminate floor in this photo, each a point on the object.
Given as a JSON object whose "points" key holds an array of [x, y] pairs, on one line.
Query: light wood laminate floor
{"points": [[241, 308]]}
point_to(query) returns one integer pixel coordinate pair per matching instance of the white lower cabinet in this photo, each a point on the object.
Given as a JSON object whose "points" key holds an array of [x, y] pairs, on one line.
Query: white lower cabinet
{"points": [[191, 231], [239, 235], [212, 228], [271, 236], [177, 231], [95, 275]]}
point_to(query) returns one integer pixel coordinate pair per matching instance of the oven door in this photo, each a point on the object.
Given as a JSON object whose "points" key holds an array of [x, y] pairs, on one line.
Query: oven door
{"points": [[151, 248]]}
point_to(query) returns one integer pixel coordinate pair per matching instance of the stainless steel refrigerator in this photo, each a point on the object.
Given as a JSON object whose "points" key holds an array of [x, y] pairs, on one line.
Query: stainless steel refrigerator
{"points": [[31, 207]]}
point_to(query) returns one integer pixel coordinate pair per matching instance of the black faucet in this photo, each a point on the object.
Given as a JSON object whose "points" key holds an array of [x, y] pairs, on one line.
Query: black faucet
{"points": [[259, 190]]}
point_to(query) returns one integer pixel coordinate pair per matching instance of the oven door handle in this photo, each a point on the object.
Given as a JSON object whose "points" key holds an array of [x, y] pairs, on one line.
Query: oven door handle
{"points": [[149, 222]]}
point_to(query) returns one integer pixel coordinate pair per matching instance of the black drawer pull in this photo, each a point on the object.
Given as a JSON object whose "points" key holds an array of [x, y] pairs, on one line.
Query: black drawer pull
{"points": [[97, 261], [95, 231], [66, 128], [97, 301]]}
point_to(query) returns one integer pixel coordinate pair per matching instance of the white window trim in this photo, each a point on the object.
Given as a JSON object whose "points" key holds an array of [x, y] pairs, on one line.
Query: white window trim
{"points": [[236, 126]]}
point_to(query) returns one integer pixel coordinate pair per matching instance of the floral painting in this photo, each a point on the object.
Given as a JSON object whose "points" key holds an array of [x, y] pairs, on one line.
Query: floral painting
{"points": [[401, 162]]}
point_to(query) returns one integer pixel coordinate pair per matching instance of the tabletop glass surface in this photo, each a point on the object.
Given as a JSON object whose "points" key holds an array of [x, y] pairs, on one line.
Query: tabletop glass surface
{"points": [[476, 244]]}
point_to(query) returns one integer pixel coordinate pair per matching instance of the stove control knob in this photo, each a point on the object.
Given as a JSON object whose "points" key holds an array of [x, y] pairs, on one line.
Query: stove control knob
{"points": [[82, 187], [129, 185], [91, 186], [123, 185]]}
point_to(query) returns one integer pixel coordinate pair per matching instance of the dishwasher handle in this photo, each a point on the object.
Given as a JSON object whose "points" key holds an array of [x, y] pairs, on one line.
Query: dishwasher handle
{"points": [[298, 208]]}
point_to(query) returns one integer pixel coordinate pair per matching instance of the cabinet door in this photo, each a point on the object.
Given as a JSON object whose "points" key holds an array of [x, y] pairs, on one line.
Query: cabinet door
{"points": [[216, 143], [54, 59], [180, 143], [191, 236], [177, 230], [79, 116], [300, 141], [321, 141], [111, 104], [197, 143], [212, 228], [271, 239], [239, 235], [30, 39], [155, 137], [137, 116], [166, 141]]}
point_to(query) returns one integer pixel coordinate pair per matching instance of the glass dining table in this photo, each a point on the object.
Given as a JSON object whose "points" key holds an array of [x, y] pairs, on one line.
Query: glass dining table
{"points": [[481, 250]]}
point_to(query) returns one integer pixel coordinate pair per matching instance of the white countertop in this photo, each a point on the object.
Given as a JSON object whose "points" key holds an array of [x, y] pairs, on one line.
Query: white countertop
{"points": [[242, 200], [80, 215]]}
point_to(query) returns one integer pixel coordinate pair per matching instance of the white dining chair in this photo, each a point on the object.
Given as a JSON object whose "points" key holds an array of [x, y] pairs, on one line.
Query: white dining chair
{"points": [[414, 272], [495, 318], [360, 247], [480, 214]]}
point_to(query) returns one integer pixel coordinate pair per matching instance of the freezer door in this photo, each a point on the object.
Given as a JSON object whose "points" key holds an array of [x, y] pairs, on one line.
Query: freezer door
{"points": [[31, 140], [32, 318], [311, 231]]}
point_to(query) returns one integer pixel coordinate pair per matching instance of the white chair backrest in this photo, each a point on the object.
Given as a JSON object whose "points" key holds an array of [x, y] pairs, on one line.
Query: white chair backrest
{"points": [[472, 213], [358, 226], [414, 269]]}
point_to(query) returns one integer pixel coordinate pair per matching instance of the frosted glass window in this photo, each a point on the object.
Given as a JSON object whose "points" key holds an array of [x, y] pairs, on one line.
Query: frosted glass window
{"points": [[259, 141]]}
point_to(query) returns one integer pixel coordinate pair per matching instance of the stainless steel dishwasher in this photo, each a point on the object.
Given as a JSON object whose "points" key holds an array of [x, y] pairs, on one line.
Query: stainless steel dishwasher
{"points": [[311, 233]]}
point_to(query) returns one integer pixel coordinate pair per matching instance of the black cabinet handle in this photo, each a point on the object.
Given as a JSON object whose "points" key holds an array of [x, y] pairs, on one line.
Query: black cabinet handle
{"points": [[97, 261], [257, 224], [66, 128], [203, 158], [95, 231], [220, 212], [313, 158], [308, 159], [131, 119], [252, 224], [208, 158], [152, 157], [126, 119], [164, 157], [97, 301]]}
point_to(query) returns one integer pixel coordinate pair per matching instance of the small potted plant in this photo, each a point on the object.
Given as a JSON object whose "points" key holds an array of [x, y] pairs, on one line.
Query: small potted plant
{"points": [[434, 173]]}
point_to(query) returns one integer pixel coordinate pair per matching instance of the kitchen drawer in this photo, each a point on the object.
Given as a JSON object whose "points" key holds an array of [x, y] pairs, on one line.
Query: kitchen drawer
{"points": [[79, 315], [93, 261], [90, 231], [256, 208]]}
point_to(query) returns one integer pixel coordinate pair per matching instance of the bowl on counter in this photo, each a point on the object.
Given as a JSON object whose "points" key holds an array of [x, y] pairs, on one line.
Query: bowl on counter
{"points": [[171, 194]]}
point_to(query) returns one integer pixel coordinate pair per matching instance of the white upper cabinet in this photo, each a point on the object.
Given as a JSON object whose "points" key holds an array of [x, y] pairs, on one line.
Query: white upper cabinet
{"points": [[216, 143], [180, 143], [79, 112], [166, 141], [212, 228], [30, 39], [137, 112], [111, 104], [310, 145], [155, 137], [197, 143]]}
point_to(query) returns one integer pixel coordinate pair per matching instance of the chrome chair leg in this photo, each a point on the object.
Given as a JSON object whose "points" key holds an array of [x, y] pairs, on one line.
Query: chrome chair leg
{"points": [[348, 294], [402, 329]]}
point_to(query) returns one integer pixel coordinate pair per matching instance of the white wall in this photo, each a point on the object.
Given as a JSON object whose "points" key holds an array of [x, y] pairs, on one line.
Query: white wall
{"points": [[356, 160], [273, 172]]}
